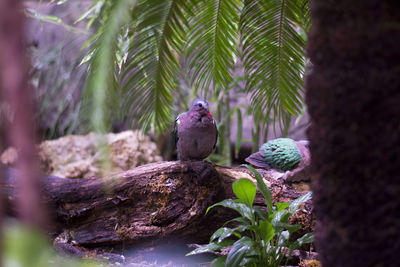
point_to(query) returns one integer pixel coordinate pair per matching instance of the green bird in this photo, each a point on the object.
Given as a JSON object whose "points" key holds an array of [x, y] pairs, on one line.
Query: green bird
{"points": [[282, 154]]}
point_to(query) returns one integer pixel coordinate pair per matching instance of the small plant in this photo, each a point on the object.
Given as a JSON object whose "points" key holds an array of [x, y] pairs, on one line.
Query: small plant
{"points": [[260, 238]]}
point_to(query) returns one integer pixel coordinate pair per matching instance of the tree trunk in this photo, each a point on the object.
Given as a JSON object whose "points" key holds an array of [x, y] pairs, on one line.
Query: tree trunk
{"points": [[148, 203], [353, 96]]}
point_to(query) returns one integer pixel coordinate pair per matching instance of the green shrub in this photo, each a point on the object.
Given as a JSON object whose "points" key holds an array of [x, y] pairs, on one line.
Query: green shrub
{"points": [[260, 238]]}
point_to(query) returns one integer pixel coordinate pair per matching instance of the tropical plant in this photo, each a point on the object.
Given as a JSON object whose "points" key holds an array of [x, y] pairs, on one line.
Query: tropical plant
{"points": [[24, 245], [57, 81], [259, 238], [148, 58], [161, 38]]}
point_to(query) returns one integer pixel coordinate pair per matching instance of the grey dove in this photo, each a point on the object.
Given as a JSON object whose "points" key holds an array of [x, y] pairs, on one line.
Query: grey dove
{"points": [[196, 132]]}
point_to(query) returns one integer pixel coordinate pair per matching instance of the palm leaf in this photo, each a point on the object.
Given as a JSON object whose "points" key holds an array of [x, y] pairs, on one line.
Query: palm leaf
{"points": [[273, 56], [100, 91], [212, 43], [304, 17], [149, 75]]}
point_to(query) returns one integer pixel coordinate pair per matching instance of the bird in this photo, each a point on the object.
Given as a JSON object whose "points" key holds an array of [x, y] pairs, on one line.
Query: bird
{"points": [[196, 132], [284, 155]]}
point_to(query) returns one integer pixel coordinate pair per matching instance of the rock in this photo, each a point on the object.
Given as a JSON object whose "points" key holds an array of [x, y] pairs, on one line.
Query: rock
{"points": [[309, 263], [77, 156], [9, 156]]}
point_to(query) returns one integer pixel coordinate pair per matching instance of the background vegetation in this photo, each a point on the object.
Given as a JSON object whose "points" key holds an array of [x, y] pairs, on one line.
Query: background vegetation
{"points": [[147, 60]]}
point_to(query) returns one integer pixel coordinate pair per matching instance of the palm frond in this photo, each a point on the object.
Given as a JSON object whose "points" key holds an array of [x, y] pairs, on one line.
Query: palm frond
{"points": [[100, 91], [304, 17], [212, 43], [273, 56], [149, 75]]}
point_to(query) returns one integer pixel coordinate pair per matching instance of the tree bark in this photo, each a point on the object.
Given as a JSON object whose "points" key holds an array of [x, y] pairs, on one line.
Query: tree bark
{"points": [[148, 204], [353, 96]]}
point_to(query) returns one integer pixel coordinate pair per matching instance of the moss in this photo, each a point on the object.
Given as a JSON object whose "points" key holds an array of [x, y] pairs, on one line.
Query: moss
{"points": [[125, 233], [281, 154]]}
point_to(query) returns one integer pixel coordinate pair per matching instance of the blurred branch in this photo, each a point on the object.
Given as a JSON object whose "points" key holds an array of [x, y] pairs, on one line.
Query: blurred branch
{"points": [[16, 92]]}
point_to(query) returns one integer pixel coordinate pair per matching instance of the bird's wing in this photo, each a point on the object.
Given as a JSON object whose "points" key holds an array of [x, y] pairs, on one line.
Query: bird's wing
{"points": [[257, 159], [175, 131]]}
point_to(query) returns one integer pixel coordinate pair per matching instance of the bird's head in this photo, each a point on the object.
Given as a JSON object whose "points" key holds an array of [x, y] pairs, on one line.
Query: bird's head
{"points": [[200, 104]]}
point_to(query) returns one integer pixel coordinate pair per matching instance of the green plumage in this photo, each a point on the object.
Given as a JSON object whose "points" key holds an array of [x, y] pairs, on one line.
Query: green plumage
{"points": [[281, 153]]}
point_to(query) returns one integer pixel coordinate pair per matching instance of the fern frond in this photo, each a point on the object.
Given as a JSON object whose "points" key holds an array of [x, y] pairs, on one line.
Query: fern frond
{"points": [[304, 16], [212, 43], [150, 73], [273, 56], [100, 91]]}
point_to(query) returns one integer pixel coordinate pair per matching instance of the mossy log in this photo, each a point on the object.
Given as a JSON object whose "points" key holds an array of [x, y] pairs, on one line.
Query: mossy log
{"points": [[146, 204]]}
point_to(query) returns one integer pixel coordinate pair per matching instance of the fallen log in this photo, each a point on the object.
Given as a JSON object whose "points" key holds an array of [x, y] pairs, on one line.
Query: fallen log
{"points": [[146, 204]]}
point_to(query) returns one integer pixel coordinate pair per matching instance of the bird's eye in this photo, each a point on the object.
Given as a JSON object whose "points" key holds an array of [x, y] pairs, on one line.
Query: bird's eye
{"points": [[200, 105]]}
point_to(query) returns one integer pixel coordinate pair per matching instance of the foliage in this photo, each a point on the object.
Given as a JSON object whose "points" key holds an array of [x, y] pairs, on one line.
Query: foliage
{"points": [[57, 80], [259, 238], [147, 59], [55, 73], [26, 247], [53, 20], [101, 94], [204, 38], [273, 56], [225, 114]]}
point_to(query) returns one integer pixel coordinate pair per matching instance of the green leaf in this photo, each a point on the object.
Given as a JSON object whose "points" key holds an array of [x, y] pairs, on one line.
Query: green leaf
{"points": [[283, 237], [279, 226], [260, 213], [281, 206], [87, 57], [239, 132], [53, 20], [280, 217], [265, 230], [241, 228], [25, 246], [150, 74], [245, 190], [243, 209], [262, 187], [91, 10], [240, 220], [236, 230], [101, 89], [297, 202], [305, 239], [250, 261], [211, 247], [212, 42], [273, 54], [238, 251], [221, 234], [219, 262], [145, 78], [304, 16]]}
